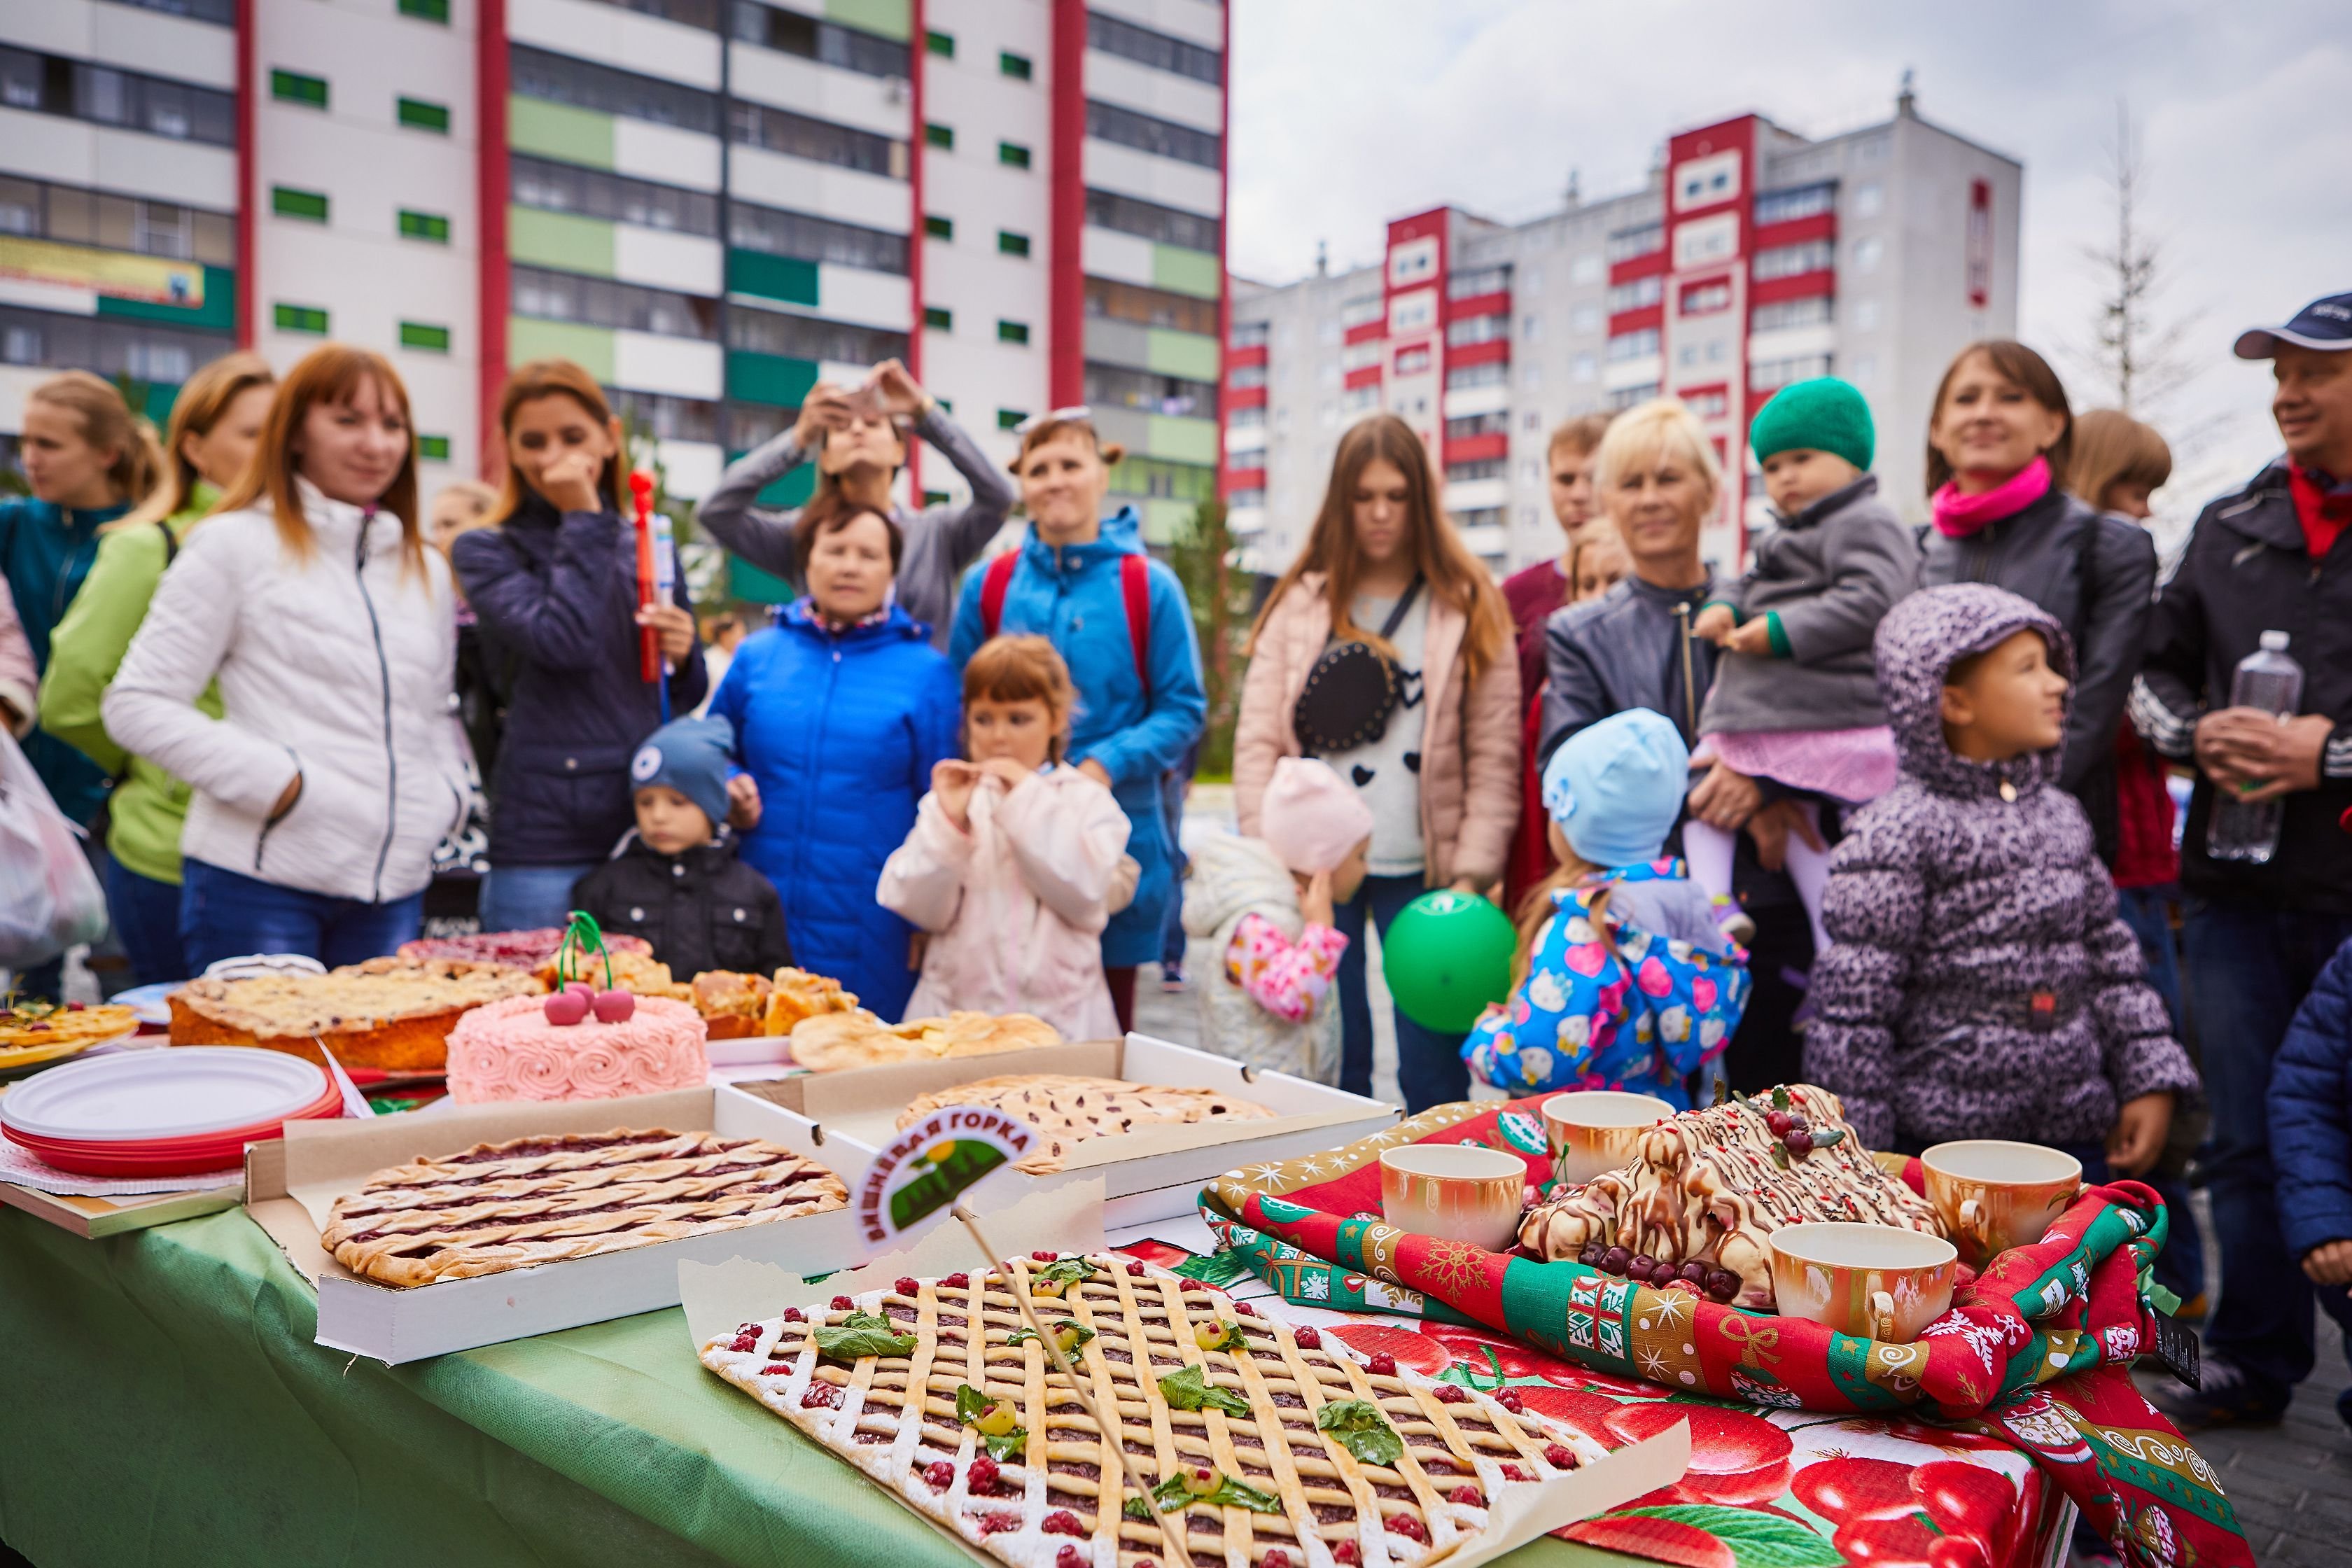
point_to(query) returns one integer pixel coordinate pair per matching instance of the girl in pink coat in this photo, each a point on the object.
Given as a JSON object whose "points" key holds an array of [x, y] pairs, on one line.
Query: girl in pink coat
{"points": [[1017, 860]]}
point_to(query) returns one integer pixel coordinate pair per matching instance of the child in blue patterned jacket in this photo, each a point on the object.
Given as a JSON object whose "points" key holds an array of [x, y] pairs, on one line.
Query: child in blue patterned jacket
{"points": [[1626, 980]]}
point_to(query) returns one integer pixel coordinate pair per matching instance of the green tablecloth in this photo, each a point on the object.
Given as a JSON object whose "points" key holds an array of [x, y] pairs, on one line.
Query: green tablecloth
{"points": [[160, 1401]]}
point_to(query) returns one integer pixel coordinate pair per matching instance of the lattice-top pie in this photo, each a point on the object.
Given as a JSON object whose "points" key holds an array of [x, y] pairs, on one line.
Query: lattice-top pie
{"points": [[1282, 1453], [537, 1200], [1068, 1109]]}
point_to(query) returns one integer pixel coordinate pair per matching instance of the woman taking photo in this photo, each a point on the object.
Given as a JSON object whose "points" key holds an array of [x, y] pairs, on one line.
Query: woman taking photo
{"points": [[860, 438], [552, 585], [333, 770], [1121, 621], [2000, 443], [840, 711], [1384, 568], [216, 422]]}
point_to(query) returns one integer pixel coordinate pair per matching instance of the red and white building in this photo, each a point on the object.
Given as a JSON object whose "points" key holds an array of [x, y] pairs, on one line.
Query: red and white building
{"points": [[1753, 259]]}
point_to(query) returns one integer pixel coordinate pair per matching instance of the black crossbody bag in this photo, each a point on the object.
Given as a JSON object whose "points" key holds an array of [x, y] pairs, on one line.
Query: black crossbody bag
{"points": [[1351, 690]]}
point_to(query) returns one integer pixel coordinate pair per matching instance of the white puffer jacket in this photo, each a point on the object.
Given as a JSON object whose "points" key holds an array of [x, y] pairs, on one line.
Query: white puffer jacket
{"points": [[339, 669]]}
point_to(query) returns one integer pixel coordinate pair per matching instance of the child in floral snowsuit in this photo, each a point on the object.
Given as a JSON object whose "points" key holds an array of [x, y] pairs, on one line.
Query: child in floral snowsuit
{"points": [[1628, 981]]}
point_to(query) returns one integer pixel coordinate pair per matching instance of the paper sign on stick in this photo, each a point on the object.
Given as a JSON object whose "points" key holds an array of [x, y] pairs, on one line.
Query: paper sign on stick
{"points": [[919, 1173]]}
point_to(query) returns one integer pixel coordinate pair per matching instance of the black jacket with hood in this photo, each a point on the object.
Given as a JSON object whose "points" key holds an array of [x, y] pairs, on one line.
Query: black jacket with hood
{"points": [[701, 910]]}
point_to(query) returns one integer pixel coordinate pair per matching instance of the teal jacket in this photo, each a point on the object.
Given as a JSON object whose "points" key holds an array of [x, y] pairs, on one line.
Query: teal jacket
{"points": [[45, 550]]}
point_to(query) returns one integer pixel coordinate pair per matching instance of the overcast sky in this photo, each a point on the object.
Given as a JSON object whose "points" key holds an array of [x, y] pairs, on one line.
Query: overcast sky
{"points": [[1349, 112]]}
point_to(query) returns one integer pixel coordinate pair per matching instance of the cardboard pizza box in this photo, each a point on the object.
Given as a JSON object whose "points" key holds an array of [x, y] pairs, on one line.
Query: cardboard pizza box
{"points": [[292, 1185], [848, 1120]]}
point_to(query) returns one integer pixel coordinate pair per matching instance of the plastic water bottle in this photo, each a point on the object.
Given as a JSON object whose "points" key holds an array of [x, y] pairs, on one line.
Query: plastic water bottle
{"points": [[2270, 680]]}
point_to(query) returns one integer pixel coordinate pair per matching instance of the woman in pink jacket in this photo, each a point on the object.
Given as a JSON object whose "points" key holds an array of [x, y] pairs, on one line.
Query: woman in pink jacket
{"points": [[1433, 749], [1017, 860]]}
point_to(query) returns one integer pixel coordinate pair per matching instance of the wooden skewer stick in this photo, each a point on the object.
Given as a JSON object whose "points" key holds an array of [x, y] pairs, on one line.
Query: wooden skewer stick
{"points": [[1180, 1554]]}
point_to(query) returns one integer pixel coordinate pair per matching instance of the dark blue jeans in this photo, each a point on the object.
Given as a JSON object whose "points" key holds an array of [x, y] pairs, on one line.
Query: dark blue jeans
{"points": [[223, 914], [2249, 966], [1430, 1068], [2180, 1267], [146, 916]]}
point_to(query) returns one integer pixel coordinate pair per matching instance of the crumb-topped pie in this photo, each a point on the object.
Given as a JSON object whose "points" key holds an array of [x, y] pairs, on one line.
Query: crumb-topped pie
{"points": [[1068, 1109], [538, 1200], [388, 1013], [1280, 1451]]}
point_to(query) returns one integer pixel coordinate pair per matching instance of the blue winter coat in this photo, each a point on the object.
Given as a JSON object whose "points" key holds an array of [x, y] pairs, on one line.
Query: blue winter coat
{"points": [[45, 550], [2311, 1113], [1074, 597], [555, 597], [840, 732]]}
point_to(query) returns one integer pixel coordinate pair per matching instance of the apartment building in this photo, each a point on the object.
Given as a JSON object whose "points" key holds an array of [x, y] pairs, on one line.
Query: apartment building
{"points": [[711, 203], [1753, 258]]}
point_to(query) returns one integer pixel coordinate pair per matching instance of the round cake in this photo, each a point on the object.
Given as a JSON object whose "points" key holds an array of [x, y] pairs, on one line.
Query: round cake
{"points": [[510, 1050]]}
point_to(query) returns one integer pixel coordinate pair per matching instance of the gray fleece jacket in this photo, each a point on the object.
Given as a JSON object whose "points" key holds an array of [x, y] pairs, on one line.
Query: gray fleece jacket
{"points": [[1978, 982], [940, 541], [1826, 575]]}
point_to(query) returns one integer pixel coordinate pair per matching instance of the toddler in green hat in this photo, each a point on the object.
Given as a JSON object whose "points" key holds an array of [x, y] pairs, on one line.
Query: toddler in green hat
{"points": [[1795, 697]]}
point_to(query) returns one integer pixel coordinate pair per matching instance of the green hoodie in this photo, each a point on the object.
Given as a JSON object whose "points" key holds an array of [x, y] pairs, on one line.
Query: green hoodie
{"points": [[87, 648]]}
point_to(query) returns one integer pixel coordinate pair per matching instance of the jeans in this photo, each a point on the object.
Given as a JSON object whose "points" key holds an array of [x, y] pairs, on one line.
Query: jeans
{"points": [[528, 897], [1430, 1068], [2249, 966], [146, 916], [2180, 1267], [225, 915]]}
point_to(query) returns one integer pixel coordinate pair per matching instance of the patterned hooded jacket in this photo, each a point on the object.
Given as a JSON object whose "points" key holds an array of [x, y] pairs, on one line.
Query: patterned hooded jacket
{"points": [[1980, 983]]}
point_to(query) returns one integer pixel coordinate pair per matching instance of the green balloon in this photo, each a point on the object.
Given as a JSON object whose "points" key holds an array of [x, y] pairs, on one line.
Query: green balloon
{"points": [[1446, 956]]}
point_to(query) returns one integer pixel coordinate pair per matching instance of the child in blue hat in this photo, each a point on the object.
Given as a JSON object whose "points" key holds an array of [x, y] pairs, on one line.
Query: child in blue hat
{"points": [[1626, 980]]}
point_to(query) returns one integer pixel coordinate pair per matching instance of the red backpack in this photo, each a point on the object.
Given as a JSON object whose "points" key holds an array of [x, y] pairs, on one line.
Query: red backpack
{"points": [[1134, 588]]}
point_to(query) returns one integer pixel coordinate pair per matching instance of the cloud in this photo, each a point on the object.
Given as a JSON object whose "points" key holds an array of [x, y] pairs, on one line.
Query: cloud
{"points": [[1345, 115]]}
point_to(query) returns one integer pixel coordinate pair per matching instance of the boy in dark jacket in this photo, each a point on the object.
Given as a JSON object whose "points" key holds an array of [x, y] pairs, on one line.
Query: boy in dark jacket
{"points": [[1980, 984], [675, 881], [2311, 1142]]}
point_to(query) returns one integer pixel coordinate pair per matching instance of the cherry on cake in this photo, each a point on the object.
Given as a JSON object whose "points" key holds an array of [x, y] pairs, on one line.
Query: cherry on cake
{"points": [[576, 1045]]}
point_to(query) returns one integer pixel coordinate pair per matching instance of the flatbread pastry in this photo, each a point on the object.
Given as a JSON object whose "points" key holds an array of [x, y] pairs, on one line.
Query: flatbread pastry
{"points": [[834, 1041], [1068, 1109], [35, 1025], [538, 1200], [1300, 1456], [1705, 1187]]}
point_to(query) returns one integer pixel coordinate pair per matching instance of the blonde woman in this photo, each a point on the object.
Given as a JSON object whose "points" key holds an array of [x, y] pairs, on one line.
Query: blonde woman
{"points": [[332, 772], [1384, 567]]}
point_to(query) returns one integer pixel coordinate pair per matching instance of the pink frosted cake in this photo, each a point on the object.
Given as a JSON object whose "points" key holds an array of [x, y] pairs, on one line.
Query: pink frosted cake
{"points": [[511, 1050]]}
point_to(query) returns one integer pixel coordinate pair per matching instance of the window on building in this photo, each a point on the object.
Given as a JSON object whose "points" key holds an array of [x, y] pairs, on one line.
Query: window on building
{"points": [[1010, 418], [1866, 315], [1477, 330], [427, 10], [781, 233], [1686, 355], [1461, 377], [1010, 244], [828, 43], [1765, 374], [1361, 399], [1117, 36], [1252, 418], [1017, 67], [1494, 424], [939, 318], [1011, 331], [1583, 367], [1796, 202], [1159, 308], [1244, 377], [430, 227], [425, 337], [939, 44], [1534, 421], [1469, 473], [293, 87], [1586, 269], [1146, 134], [309, 206], [1634, 295], [1870, 200], [1013, 155], [1629, 243], [1584, 319], [1251, 500], [1866, 253], [940, 136], [1531, 329], [111, 346], [222, 12], [432, 448], [809, 337], [1478, 281], [1705, 299], [1362, 312], [70, 214], [1788, 260], [1163, 479], [301, 318], [1782, 313], [667, 417], [1626, 397], [1118, 386], [1634, 345], [1531, 377], [608, 302], [1412, 362], [1162, 226], [561, 79], [1357, 356], [1246, 334], [821, 140], [51, 84], [418, 114], [550, 186], [1412, 314], [1706, 404], [939, 227]]}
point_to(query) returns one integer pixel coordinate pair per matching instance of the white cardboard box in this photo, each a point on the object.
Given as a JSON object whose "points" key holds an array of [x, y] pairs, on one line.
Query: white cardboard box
{"points": [[292, 1184], [847, 1118]]}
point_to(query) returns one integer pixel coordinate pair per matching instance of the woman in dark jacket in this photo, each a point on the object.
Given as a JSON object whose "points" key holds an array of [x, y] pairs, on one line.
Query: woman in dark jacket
{"points": [[1998, 446], [840, 711], [554, 591]]}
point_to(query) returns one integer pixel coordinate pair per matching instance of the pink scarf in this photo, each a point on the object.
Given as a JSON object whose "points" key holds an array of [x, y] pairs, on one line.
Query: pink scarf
{"points": [[1958, 516]]}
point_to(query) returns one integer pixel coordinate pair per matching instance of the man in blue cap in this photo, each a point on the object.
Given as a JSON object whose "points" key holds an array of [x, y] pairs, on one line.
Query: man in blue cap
{"points": [[2269, 558]]}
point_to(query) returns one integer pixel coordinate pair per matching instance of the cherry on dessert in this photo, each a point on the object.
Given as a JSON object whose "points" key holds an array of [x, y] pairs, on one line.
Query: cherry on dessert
{"points": [[1695, 1271], [1558, 1458], [1062, 1522], [614, 1006], [1722, 1284], [1593, 1253], [565, 1008], [821, 1396], [1638, 1267], [777, 1369], [938, 1475], [1799, 1142], [905, 1285], [743, 1342], [980, 1476], [1245, 1309], [1383, 1364], [1404, 1524], [1511, 1400], [1616, 1260], [841, 1303], [793, 1315], [956, 1282], [1042, 1256], [1068, 1557], [1346, 1554], [1469, 1497], [74, 1006], [1275, 1557], [1134, 1269], [1450, 1394], [1308, 1337], [992, 1523], [1779, 1122]]}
